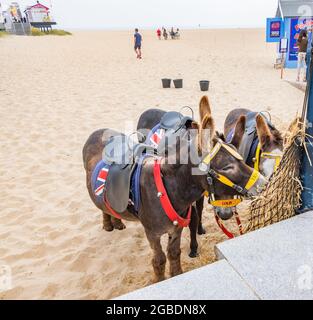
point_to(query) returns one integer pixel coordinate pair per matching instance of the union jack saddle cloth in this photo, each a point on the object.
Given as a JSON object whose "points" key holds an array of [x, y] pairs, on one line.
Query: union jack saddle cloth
{"points": [[99, 181]]}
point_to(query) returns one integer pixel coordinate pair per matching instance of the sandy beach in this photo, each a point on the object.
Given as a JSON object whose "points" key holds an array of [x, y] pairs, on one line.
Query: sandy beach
{"points": [[54, 92]]}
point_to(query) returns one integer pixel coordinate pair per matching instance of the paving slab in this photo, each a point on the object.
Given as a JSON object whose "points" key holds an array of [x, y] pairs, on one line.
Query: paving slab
{"points": [[276, 261], [217, 281]]}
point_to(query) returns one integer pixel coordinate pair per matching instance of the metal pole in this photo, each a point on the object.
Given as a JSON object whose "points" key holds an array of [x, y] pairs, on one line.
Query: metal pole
{"points": [[306, 170], [282, 65]]}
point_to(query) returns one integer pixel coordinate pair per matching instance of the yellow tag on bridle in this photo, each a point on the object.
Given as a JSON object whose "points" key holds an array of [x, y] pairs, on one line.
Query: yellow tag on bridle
{"points": [[229, 203]]}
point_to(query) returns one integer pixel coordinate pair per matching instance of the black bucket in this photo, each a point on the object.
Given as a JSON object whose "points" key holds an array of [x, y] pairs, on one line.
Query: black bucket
{"points": [[178, 83], [204, 85], [166, 83]]}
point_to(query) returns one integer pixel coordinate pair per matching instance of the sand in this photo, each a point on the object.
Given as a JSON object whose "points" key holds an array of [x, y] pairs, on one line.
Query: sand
{"points": [[54, 92]]}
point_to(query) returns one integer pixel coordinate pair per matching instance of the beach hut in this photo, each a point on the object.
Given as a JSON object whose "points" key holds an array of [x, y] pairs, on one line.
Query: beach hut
{"points": [[39, 16], [14, 21], [292, 16]]}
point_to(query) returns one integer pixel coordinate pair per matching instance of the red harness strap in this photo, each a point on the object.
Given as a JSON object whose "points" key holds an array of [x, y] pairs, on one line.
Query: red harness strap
{"points": [[165, 201], [223, 228]]}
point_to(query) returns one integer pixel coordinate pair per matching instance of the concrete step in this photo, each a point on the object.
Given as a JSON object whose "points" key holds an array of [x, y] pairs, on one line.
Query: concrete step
{"points": [[217, 281], [276, 261]]}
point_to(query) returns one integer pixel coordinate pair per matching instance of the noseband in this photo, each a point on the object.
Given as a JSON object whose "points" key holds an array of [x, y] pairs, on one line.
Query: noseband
{"points": [[267, 155]]}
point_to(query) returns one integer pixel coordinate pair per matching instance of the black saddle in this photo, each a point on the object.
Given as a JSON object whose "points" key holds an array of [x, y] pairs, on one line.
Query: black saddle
{"points": [[173, 120], [175, 125], [122, 154]]}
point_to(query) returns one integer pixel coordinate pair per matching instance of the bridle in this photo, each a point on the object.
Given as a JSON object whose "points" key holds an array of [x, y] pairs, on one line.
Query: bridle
{"points": [[212, 174], [267, 155]]}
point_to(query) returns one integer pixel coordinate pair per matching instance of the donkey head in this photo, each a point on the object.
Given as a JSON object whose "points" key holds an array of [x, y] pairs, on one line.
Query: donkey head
{"points": [[226, 174], [271, 147]]}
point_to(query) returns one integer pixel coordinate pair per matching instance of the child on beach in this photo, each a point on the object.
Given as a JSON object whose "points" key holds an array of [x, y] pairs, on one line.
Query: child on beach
{"points": [[303, 45], [137, 43]]}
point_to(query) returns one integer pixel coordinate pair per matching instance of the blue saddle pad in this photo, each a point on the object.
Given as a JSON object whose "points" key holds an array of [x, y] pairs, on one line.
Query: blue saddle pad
{"points": [[98, 180]]}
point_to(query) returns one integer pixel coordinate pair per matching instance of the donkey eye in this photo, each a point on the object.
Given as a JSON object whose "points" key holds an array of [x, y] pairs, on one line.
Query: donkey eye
{"points": [[228, 167]]}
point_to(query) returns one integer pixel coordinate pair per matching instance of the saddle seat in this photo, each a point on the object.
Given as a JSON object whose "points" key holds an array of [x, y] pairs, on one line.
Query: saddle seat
{"points": [[173, 120], [172, 125], [124, 156]]}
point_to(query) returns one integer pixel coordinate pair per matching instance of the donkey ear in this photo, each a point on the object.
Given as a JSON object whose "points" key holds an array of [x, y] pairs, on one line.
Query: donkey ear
{"points": [[264, 132], [239, 132], [207, 133], [204, 107]]}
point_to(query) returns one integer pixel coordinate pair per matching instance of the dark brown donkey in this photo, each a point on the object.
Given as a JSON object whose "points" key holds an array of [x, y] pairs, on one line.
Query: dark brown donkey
{"points": [[182, 186], [262, 143], [261, 146]]}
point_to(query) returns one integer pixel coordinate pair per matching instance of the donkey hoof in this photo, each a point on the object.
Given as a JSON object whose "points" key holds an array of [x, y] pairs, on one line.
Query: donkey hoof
{"points": [[201, 230], [119, 225], [193, 254], [108, 227], [158, 279]]}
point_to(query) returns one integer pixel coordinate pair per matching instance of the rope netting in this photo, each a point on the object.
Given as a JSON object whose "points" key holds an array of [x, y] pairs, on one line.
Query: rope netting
{"points": [[282, 195]]}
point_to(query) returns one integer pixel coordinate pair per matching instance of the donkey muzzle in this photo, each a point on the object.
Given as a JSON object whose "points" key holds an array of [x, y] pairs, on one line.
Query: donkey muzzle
{"points": [[225, 213]]}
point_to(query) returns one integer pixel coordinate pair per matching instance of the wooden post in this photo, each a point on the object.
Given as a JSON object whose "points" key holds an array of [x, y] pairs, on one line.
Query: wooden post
{"points": [[282, 65]]}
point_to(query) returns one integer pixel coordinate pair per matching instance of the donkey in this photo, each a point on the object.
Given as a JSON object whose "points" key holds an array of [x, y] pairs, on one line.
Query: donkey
{"points": [[168, 190], [262, 144]]}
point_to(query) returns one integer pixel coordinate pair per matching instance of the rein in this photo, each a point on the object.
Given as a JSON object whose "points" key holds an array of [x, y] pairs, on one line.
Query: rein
{"points": [[223, 228]]}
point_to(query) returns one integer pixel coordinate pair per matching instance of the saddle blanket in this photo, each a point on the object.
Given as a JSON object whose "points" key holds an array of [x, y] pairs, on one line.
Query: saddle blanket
{"points": [[155, 136], [99, 177]]}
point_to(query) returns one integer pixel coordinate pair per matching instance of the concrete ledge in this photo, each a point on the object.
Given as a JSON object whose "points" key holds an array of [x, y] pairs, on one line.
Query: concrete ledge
{"points": [[217, 281], [276, 261]]}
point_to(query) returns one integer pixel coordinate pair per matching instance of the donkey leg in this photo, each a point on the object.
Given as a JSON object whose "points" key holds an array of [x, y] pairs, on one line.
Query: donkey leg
{"points": [[107, 223], [193, 226], [174, 252], [118, 224], [159, 258], [199, 205]]}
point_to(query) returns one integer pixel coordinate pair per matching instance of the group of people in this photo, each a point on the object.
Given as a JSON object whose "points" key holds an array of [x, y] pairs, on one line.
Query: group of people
{"points": [[173, 34], [138, 38]]}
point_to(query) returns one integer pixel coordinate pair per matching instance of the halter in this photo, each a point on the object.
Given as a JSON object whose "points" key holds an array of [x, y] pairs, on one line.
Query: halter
{"points": [[212, 174], [266, 155], [229, 203]]}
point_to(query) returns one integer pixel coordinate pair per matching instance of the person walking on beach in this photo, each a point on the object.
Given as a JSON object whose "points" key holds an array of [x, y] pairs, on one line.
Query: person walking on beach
{"points": [[137, 43], [165, 35], [302, 44], [159, 34]]}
